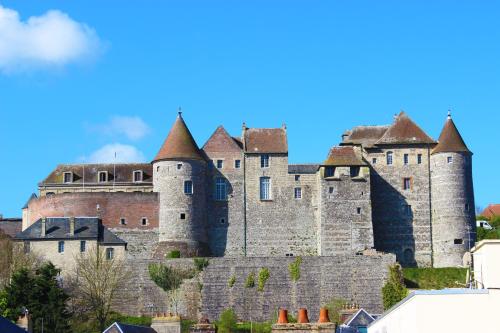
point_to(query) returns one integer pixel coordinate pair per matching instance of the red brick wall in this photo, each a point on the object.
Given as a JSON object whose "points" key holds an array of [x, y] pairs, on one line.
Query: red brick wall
{"points": [[112, 206]]}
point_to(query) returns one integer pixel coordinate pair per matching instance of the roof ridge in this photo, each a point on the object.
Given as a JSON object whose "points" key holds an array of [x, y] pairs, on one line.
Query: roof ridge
{"points": [[404, 130], [220, 132]]}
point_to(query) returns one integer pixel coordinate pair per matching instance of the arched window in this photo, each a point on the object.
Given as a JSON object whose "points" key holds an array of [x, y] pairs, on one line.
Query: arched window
{"points": [[389, 157]]}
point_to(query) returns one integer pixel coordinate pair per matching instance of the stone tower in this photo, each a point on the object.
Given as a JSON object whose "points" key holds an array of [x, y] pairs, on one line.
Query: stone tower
{"points": [[452, 198], [179, 176]]}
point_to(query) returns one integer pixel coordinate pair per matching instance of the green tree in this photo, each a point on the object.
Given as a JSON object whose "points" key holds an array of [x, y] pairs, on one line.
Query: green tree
{"points": [[394, 290], [227, 321]]}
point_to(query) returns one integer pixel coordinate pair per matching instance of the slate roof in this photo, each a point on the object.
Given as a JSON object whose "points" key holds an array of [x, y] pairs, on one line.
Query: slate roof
{"points": [[179, 144], [119, 173], [58, 228], [450, 140], [8, 327], [221, 141], [343, 156], [491, 210], [404, 131], [366, 136], [11, 227], [265, 140], [126, 328], [303, 168], [360, 318]]}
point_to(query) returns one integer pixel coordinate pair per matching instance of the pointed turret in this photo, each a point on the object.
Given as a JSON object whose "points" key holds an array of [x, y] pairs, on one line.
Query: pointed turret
{"points": [[404, 131], [179, 144], [450, 140]]}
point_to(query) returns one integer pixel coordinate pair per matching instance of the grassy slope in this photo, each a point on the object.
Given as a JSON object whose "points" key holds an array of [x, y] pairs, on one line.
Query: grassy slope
{"points": [[434, 278]]}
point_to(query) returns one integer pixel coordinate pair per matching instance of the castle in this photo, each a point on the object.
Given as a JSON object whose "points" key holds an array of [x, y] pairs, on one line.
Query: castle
{"points": [[392, 188]]}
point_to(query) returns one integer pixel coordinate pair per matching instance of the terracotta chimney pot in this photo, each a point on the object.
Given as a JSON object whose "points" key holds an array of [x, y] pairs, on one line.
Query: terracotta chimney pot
{"points": [[303, 319], [323, 316], [283, 316]]}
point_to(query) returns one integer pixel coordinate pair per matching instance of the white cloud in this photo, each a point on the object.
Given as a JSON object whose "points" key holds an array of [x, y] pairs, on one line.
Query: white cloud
{"points": [[134, 128], [50, 40], [106, 154]]}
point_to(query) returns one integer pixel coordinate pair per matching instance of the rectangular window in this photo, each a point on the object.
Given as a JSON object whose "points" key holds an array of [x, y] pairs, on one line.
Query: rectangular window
{"points": [[329, 171], [137, 176], [179, 166], [83, 246], [450, 159], [358, 210], [389, 158], [237, 164], [220, 189], [298, 193], [419, 159], [188, 187], [110, 253], [406, 159], [406, 183], [68, 177], [374, 160], [458, 241], [26, 247], [102, 176], [330, 190], [467, 207], [354, 171], [220, 164], [222, 220], [264, 161], [144, 221], [183, 216], [297, 178], [408, 211], [265, 188], [60, 247], [123, 221]]}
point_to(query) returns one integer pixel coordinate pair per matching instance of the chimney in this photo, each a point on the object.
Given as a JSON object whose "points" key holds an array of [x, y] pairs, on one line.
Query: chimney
{"points": [[44, 227], [283, 316], [72, 226], [302, 317]]}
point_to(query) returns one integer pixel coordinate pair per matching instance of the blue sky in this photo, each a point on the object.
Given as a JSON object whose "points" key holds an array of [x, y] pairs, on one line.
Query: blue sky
{"points": [[117, 71]]}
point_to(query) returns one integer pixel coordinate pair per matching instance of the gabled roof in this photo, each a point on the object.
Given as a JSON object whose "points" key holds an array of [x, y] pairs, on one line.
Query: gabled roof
{"points": [[491, 210], [265, 140], [8, 327], [366, 136], [450, 140], [126, 328], [344, 156], [360, 318], [179, 143], [11, 227], [404, 131], [221, 141], [58, 228]]}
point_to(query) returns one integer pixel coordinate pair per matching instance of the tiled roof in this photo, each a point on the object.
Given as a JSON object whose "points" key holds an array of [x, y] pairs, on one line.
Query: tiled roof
{"points": [[450, 140], [126, 328], [364, 135], [344, 156], [404, 131], [491, 210], [11, 227], [59, 228], [221, 141], [266, 140], [118, 173], [303, 168], [179, 143]]}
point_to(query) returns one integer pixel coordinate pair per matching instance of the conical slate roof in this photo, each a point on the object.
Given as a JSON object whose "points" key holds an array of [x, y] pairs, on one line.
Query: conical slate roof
{"points": [[404, 131], [450, 140], [179, 144], [221, 141]]}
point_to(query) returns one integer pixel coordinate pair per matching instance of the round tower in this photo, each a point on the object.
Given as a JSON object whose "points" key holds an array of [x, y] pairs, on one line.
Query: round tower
{"points": [[452, 198], [179, 177]]}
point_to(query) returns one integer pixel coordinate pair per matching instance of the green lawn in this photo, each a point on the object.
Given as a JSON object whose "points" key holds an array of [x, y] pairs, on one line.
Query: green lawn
{"points": [[434, 278]]}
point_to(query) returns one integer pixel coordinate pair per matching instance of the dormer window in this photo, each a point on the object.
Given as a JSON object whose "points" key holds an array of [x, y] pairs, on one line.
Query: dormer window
{"points": [[138, 176], [68, 177], [102, 176]]}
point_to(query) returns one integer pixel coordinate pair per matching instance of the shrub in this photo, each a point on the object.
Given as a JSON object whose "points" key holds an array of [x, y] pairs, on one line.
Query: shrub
{"points": [[394, 290], [227, 321], [200, 263], [263, 276], [250, 282], [173, 254], [231, 281], [334, 307], [294, 269], [168, 278]]}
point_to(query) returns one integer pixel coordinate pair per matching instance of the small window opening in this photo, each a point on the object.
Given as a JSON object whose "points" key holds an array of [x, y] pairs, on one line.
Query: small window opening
{"points": [[110, 253], [450, 159], [419, 159], [123, 221], [137, 176], [389, 157], [264, 161], [102, 176], [237, 164], [406, 159], [188, 187], [183, 216], [298, 193], [83, 246], [374, 160], [358, 210], [144, 221], [68, 177], [297, 178], [406, 183], [179, 166], [60, 247], [330, 189], [458, 241], [222, 220], [220, 164], [408, 211]]}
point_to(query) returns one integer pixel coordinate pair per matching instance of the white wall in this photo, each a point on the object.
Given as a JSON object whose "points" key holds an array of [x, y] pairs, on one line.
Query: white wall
{"points": [[486, 260]]}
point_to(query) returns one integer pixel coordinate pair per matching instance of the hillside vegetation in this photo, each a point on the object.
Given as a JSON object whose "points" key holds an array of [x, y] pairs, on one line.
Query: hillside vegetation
{"points": [[434, 278]]}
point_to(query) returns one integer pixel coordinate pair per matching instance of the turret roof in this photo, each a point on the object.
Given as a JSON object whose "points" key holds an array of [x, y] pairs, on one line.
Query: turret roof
{"points": [[221, 141], [404, 131], [450, 140], [179, 143]]}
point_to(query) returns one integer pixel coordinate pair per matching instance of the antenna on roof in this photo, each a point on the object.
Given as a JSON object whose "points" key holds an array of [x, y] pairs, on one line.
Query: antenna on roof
{"points": [[179, 111], [449, 113]]}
